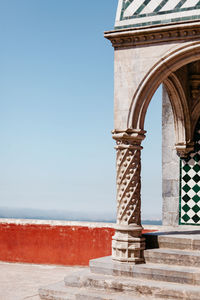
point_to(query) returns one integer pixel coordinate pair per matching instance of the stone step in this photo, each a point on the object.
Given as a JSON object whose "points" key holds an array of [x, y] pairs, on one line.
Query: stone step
{"points": [[173, 257], [168, 273], [172, 271], [60, 291], [182, 240], [131, 287], [159, 272], [102, 288], [100, 295], [57, 291]]}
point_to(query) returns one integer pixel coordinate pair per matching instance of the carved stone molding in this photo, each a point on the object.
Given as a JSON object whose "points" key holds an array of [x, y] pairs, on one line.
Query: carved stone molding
{"points": [[194, 80], [127, 243], [184, 149], [195, 86], [155, 34]]}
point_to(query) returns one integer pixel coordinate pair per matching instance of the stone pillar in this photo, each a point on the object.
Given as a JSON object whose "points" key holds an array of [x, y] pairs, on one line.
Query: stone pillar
{"points": [[170, 166], [128, 244]]}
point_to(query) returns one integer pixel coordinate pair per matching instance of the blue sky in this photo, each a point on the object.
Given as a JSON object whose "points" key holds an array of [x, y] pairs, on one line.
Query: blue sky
{"points": [[56, 109]]}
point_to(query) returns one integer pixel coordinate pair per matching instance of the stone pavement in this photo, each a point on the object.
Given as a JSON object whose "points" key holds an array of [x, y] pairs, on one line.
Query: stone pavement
{"points": [[21, 281]]}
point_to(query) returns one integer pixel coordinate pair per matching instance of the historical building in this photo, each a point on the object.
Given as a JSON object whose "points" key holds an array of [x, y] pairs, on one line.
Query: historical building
{"points": [[155, 42]]}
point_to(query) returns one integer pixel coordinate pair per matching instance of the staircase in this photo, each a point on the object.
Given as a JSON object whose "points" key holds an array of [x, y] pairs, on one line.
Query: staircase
{"points": [[171, 271]]}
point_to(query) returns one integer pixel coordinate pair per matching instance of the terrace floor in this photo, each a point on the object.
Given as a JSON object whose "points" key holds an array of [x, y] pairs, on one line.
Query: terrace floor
{"points": [[21, 281]]}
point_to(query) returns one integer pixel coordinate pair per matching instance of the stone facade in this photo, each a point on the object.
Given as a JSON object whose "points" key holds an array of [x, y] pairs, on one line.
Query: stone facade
{"points": [[181, 176], [146, 57], [158, 43]]}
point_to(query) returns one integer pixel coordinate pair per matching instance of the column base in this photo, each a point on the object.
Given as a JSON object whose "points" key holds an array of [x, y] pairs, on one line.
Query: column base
{"points": [[128, 245]]}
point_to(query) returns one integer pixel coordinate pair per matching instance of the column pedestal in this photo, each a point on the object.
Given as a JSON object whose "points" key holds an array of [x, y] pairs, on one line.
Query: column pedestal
{"points": [[128, 245]]}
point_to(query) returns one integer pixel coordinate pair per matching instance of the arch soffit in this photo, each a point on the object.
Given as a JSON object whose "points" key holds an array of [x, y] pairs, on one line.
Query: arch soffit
{"points": [[180, 109], [158, 74]]}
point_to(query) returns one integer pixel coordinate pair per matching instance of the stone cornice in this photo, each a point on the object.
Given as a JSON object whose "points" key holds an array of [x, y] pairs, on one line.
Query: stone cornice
{"points": [[155, 34]]}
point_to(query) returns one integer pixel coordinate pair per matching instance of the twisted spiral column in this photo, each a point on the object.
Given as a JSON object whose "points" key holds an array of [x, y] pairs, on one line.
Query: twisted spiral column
{"points": [[128, 244]]}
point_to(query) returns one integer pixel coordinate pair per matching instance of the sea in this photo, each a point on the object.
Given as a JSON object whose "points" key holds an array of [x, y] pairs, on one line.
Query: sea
{"points": [[63, 215]]}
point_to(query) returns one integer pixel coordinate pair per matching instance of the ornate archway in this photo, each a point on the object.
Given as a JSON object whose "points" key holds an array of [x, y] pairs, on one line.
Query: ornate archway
{"points": [[146, 55], [164, 71]]}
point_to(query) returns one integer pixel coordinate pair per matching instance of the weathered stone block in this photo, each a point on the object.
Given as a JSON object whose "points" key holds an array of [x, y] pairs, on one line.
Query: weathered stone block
{"points": [[170, 188]]}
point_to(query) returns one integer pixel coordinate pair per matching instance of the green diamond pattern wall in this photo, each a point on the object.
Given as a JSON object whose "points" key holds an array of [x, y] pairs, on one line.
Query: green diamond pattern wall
{"points": [[190, 185]]}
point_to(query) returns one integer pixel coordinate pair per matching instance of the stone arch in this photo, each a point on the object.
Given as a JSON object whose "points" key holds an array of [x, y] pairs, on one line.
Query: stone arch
{"points": [[163, 72], [153, 45], [179, 107]]}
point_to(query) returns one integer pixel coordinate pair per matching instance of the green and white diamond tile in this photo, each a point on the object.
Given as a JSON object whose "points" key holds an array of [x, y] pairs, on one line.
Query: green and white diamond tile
{"points": [[190, 185], [139, 13]]}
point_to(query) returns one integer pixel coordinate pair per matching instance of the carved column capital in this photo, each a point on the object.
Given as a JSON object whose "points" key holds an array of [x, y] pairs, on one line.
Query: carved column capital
{"points": [[128, 138], [184, 149]]}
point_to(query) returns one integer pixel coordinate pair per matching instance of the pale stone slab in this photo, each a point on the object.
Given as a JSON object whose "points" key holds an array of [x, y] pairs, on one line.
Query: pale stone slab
{"points": [[173, 257], [160, 272], [21, 281], [182, 240]]}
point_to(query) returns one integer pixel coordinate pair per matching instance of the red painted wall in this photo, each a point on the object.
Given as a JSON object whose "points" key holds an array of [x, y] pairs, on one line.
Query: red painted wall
{"points": [[60, 245]]}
